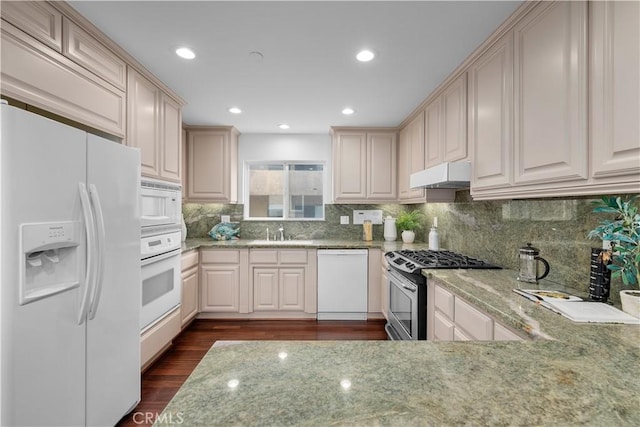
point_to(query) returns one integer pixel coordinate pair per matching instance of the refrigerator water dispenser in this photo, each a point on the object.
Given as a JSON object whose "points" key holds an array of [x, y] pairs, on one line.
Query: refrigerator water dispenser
{"points": [[49, 259]]}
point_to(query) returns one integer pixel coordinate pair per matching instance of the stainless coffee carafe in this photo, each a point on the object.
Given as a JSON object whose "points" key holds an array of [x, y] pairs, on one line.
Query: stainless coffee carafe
{"points": [[529, 257]]}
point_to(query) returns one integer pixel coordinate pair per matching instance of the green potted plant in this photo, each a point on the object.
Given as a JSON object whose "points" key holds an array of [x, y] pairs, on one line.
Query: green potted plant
{"points": [[408, 222], [623, 231]]}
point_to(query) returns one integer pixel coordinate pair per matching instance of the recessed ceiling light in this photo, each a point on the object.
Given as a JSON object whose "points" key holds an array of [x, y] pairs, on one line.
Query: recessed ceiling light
{"points": [[348, 111], [234, 110], [284, 126], [185, 52], [365, 56]]}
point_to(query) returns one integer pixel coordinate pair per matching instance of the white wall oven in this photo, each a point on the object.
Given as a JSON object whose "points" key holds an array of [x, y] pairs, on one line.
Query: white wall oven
{"points": [[407, 311], [160, 249], [161, 282]]}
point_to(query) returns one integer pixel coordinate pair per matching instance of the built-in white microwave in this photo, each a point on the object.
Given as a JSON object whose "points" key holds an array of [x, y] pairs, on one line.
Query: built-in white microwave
{"points": [[160, 204]]}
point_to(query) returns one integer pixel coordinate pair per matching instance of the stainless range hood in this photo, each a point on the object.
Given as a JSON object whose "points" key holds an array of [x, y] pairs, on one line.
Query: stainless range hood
{"points": [[445, 175]]}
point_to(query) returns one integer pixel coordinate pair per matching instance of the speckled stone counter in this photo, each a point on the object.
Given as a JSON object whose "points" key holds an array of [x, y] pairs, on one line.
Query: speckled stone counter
{"points": [[573, 374], [196, 243]]}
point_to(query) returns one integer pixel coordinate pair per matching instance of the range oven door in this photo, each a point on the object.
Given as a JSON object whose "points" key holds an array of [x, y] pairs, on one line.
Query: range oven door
{"points": [[160, 204], [403, 307], [161, 284]]}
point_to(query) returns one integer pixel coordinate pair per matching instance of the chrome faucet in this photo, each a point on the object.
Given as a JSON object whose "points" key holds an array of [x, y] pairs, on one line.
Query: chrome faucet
{"points": [[281, 230]]}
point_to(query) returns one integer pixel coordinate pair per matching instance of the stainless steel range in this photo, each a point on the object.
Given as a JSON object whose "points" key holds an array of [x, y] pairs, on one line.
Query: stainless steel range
{"points": [[407, 311]]}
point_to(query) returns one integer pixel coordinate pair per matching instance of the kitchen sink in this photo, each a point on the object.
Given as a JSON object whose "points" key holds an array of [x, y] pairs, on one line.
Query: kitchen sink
{"points": [[281, 242]]}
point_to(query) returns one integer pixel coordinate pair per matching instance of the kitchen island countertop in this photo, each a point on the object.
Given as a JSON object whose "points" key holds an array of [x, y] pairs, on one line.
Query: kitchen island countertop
{"points": [[571, 374]]}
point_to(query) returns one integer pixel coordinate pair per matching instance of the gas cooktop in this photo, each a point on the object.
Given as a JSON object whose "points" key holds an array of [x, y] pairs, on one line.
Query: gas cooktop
{"points": [[414, 261]]}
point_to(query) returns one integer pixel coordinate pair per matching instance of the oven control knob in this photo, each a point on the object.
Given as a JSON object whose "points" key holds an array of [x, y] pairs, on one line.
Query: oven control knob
{"points": [[410, 265]]}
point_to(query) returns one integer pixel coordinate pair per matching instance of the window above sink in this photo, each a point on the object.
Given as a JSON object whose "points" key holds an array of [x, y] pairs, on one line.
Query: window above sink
{"points": [[280, 190]]}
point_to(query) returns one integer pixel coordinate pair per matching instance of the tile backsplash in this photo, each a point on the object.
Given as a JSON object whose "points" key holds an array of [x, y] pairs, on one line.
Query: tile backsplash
{"points": [[490, 230]]}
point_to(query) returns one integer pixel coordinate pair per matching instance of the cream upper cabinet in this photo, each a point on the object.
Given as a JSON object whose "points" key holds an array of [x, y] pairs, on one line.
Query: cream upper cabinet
{"points": [[490, 114], [36, 18], [212, 164], [411, 158], [446, 124], [364, 165], [87, 51], [154, 125], [550, 89], [615, 91]]}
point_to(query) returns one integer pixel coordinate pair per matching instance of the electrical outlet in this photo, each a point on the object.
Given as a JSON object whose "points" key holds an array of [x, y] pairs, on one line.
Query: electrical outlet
{"points": [[344, 220], [225, 218]]}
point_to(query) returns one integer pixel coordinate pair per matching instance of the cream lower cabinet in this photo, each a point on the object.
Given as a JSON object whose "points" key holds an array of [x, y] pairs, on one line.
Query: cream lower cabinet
{"points": [[189, 302], [364, 165], [451, 318], [223, 279], [282, 282], [212, 164]]}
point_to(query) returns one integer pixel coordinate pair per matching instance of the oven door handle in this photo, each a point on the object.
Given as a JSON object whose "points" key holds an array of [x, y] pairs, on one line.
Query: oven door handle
{"points": [[89, 225], [164, 256], [409, 288], [100, 244]]}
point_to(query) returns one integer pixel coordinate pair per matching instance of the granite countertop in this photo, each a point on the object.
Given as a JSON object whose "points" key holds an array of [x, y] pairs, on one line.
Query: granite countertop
{"points": [[571, 374], [195, 243]]}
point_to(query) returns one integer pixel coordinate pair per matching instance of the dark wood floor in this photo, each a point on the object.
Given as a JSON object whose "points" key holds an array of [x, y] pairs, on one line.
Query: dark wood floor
{"points": [[163, 379]]}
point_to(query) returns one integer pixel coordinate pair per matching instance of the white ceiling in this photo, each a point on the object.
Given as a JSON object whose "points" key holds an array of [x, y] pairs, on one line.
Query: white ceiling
{"points": [[308, 72]]}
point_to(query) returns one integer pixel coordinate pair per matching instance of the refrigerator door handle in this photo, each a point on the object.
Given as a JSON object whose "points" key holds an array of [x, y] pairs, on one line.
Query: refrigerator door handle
{"points": [[91, 237], [100, 245]]}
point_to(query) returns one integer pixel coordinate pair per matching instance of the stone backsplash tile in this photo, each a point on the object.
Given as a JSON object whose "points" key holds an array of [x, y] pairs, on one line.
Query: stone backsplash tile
{"points": [[490, 230]]}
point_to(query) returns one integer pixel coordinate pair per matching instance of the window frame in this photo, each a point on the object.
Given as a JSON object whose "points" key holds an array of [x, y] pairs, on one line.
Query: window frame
{"points": [[286, 194]]}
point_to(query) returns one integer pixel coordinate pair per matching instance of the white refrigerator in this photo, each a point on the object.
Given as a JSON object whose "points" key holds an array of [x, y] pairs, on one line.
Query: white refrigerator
{"points": [[70, 269]]}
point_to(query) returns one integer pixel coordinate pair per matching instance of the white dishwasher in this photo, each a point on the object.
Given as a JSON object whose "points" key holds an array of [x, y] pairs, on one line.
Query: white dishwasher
{"points": [[342, 284]]}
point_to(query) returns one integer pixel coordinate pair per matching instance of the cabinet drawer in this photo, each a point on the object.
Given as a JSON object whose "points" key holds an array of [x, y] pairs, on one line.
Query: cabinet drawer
{"points": [[478, 325], [220, 256], [292, 256], [502, 333], [442, 327], [189, 259], [259, 256], [159, 336], [85, 50], [443, 300]]}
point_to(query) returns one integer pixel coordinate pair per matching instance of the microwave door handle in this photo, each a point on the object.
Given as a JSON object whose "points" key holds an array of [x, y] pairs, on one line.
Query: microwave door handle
{"points": [[91, 237], [101, 235]]}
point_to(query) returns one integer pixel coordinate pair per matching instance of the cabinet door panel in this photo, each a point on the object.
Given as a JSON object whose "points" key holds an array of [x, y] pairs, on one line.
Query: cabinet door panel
{"points": [[208, 165], [501, 333], [615, 88], [381, 176], [490, 115], [550, 93], [291, 289], [85, 50], [433, 134], [170, 145], [351, 169], [142, 121], [411, 157], [220, 288], [443, 300], [189, 301], [265, 289], [454, 120], [38, 19]]}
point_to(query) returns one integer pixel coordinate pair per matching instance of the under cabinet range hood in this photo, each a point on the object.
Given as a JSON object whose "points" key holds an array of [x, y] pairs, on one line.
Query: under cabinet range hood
{"points": [[445, 175]]}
